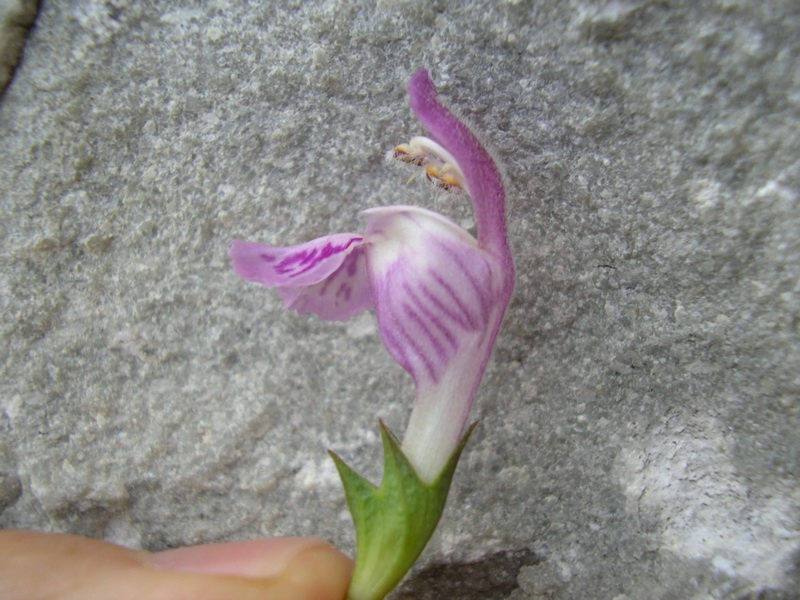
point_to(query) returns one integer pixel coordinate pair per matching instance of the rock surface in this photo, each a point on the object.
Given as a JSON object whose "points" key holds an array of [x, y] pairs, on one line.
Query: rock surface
{"points": [[640, 420]]}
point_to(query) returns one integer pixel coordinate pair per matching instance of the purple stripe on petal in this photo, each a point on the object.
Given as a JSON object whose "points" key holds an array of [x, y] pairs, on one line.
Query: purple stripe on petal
{"points": [[412, 343], [304, 261], [414, 310], [395, 347], [443, 308], [294, 266], [435, 353], [431, 284], [472, 273], [345, 293], [326, 276], [434, 318], [471, 320]]}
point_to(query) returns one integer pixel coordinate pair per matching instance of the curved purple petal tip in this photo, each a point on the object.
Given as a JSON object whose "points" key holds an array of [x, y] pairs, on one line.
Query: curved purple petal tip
{"points": [[483, 180]]}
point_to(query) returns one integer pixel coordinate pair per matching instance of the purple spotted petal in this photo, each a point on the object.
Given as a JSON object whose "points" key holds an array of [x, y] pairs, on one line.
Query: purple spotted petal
{"points": [[292, 266], [326, 276], [338, 297]]}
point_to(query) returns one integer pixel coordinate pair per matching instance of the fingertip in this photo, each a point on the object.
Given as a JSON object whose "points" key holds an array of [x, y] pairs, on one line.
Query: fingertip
{"points": [[282, 568], [320, 572], [61, 567]]}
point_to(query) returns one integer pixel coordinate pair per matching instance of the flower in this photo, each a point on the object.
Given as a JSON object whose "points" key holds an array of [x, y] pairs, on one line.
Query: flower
{"points": [[439, 294]]}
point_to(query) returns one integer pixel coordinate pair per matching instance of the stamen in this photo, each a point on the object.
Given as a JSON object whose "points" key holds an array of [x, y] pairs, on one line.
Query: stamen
{"points": [[443, 178], [405, 153], [441, 169], [428, 147]]}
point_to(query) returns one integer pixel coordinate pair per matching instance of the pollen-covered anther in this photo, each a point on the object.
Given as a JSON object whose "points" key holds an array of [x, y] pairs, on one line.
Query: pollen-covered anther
{"points": [[440, 168], [444, 178], [409, 155]]}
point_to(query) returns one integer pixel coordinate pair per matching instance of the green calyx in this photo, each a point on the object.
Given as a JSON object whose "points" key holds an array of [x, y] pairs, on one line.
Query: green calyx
{"points": [[394, 521]]}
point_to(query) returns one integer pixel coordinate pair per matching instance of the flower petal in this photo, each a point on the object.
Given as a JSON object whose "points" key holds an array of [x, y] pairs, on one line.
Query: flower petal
{"points": [[483, 180], [439, 298], [432, 287], [339, 297], [292, 266], [326, 276]]}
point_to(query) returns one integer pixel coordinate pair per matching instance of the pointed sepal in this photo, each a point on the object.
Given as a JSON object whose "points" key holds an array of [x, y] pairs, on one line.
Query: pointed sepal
{"points": [[394, 521]]}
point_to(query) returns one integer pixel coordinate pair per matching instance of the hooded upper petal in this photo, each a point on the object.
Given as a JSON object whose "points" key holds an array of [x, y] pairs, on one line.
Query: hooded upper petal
{"points": [[482, 178], [326, 276]]}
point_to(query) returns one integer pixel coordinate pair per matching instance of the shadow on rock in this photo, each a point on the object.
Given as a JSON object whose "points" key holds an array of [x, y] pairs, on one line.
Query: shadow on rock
{"points": [[491, 577]]}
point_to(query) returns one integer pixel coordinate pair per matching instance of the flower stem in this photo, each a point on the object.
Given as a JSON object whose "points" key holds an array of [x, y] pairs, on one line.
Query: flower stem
{"points": [[394, 521]]}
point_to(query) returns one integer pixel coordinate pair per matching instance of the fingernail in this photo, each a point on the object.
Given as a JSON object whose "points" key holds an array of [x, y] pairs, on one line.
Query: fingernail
{"points": [[257, 558]]}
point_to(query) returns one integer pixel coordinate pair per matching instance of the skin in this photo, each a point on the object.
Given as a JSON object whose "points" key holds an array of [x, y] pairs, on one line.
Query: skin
{"points": [[47, 566]]}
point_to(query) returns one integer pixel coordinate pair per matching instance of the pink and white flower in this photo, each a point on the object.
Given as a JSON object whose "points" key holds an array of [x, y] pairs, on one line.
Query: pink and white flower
{"points": [[439, 294]]}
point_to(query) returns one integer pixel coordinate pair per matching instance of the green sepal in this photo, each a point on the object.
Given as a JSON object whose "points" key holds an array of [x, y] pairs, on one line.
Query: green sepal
{"points": [[394, 521]]}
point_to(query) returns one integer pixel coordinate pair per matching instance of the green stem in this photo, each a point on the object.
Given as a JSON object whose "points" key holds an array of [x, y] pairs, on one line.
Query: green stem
{"points": [[394, 521]]}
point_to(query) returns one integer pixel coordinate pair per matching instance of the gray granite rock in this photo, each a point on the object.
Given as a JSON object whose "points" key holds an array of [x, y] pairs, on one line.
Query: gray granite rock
{"points": [[639, 432]]}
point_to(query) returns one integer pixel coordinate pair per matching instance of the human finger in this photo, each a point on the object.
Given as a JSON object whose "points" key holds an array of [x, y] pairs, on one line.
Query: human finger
{"points": [[41, 566]]}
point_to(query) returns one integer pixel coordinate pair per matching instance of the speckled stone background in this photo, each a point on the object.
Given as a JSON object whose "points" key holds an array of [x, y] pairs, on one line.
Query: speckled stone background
{"points": [[640, 427]]}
